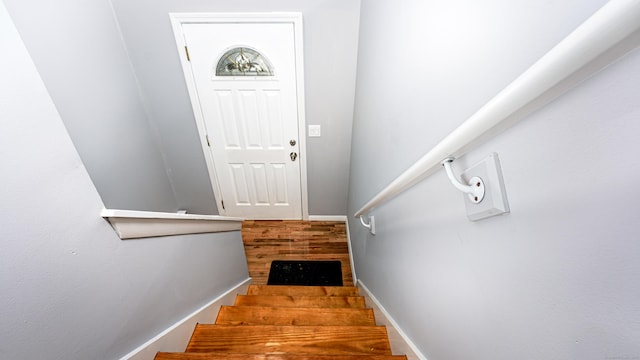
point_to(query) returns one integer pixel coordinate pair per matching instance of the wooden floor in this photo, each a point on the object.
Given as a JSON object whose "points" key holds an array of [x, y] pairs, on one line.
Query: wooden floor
{"points": [[265, 241]]}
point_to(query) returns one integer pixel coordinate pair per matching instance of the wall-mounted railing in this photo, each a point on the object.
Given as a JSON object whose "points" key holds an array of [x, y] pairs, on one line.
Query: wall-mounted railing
{"points": [[131, 224], [604, 37]]}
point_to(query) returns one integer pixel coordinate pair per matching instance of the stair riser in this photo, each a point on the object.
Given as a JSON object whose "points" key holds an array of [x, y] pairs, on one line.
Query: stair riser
{"points": [[212, 356], [303, 290], [301, 301], [256, 315]]}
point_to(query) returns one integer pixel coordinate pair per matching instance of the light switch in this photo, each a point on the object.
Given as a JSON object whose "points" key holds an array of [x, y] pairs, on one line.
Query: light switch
{"points": [[314, 131]]}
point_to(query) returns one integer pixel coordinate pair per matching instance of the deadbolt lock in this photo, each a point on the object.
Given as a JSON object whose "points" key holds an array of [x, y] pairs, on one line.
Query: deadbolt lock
{"points": [[292, 142]]}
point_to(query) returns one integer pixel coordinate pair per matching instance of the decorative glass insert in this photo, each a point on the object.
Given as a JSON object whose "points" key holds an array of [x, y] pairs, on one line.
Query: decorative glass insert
{"points": [[243, 61]]}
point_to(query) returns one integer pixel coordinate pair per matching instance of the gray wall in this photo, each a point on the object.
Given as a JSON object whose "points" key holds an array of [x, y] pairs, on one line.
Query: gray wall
{"points": [[70, 288], [113, 72], [330, 48], [558, 277], [79, 53]]}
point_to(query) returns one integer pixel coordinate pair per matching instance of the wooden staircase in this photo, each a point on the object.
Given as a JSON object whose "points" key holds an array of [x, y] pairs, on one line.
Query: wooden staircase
{"points": [[291, 323]]}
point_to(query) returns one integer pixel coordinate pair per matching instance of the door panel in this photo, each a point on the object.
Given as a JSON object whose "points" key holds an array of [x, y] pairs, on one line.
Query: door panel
{"points": [[260, 184], [250, 120], [227, 118], [274, 117]]}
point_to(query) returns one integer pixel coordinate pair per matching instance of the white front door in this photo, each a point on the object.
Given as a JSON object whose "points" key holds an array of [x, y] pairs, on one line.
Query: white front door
{"points": [[246, 92]]}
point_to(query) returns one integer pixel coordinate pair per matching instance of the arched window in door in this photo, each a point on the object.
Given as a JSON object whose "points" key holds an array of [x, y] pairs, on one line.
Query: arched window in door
{"points": [[243, 61]]}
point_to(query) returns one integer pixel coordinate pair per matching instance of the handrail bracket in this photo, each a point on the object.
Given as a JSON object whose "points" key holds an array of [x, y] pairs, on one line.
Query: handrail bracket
{"points": [[475, 189], [371, 225]]}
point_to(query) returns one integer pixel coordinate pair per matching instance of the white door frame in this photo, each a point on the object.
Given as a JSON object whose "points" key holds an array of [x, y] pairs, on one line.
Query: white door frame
{"points": [[178, 19]]}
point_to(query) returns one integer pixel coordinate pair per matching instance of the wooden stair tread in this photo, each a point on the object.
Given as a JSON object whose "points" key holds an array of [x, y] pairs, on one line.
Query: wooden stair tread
{"points": [[216, 356], [292, 322], [302, 290], [260, 315], [266, 339], [300, 301]]}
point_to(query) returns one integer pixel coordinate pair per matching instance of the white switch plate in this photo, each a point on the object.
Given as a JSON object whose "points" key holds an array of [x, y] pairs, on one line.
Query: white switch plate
{"points": [[314, 131], [495, 198]]}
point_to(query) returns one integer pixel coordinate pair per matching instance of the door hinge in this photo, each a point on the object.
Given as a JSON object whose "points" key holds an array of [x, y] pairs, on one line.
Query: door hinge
{"points": [[222, 202], [186, 50], [208, 143]]}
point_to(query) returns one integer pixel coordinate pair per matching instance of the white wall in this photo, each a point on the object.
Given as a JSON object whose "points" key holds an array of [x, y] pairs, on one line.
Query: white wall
{"points": [[70, 288], [558, 277], [330, 49], [78, 50]]}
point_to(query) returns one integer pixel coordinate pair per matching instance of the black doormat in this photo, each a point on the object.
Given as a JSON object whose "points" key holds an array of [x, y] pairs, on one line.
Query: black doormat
{"points": [[310, 273]]}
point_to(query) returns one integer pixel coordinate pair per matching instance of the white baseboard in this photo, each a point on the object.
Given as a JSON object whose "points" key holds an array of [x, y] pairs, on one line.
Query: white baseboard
{"points": [[327, 218], [353, 264], [176, 337], [400, 342]]}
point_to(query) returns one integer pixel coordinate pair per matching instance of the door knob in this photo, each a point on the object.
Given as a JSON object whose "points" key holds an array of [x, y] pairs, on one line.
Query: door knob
{"points": [[293, 156], [292, 142]]}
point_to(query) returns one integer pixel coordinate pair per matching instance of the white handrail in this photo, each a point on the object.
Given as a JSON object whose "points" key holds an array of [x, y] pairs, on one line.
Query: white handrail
{"points": [[605, 36]]}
